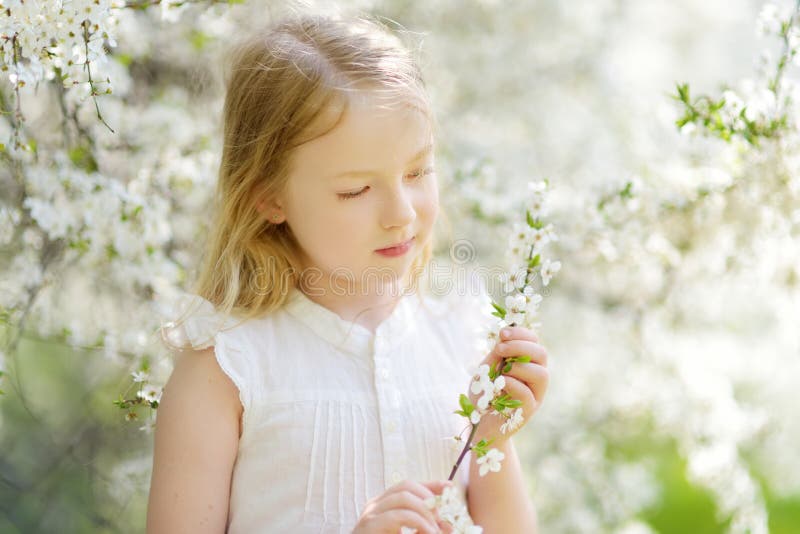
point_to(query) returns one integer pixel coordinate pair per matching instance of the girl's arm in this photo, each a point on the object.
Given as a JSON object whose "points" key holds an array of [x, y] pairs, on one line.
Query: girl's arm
{"points": [[196, 441], [499, 501]]}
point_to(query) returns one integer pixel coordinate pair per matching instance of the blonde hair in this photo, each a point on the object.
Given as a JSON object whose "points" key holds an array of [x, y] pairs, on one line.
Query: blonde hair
{"points": [[281, 85]]}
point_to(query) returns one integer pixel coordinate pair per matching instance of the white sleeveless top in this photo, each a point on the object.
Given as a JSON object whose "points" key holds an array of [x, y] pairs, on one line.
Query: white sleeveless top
{"points": [[334, 415]]}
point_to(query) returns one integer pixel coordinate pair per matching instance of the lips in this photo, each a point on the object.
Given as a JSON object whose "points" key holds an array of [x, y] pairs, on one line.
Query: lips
{"points": [[398, 249], [399, 245]]}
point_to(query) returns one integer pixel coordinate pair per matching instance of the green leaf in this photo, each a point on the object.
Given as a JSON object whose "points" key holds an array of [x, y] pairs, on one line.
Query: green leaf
{"points": [[480, 448], [499, 311], [199, 39], [493, 371], [504, 402], [81, 245], [683, 92], [507, 367], [466, 405], [124, 59], [530, 219], [534, 261]]}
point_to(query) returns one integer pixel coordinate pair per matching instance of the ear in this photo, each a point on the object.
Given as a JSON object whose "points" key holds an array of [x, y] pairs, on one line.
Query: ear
{"points": [[271, 210]]}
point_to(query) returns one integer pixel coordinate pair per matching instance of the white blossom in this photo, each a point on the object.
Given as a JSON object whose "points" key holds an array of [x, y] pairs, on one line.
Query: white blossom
{"points": [[484, 386], [150, 393], [513, 422], [490, 461], [140, 376], [549, 268], [452, 509]]}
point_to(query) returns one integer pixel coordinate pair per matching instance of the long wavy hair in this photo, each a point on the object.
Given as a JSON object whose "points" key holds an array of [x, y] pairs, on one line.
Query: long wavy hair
{"points": [[281, 84]]}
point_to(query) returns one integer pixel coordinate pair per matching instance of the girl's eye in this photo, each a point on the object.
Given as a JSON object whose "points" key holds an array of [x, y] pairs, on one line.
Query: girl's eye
{"points": [[353, 194], [421, 172]]}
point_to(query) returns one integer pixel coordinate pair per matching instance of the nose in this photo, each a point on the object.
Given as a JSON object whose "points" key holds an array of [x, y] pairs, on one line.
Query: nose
{"points": [[398, 208]]}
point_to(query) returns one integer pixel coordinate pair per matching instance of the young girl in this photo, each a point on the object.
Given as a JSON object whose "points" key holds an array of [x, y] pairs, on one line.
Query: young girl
{"points": [[316, 389]]}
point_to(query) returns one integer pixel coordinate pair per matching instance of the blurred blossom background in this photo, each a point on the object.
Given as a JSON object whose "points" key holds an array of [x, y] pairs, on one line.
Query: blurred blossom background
{"points": [[668, 132]]}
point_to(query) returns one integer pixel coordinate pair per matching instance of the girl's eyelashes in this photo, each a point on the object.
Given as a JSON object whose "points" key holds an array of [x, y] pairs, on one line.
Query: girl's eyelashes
{"points": [[353, 194], [419, 173]]}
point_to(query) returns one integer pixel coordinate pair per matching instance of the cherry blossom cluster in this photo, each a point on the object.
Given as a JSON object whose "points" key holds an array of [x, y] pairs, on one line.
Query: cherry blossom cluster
{"points": [[521, 302], [453, 510], [48, 40]]}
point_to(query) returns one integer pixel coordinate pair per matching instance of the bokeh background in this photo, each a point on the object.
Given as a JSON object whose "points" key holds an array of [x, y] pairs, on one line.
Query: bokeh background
{"points": [[666, 129]]}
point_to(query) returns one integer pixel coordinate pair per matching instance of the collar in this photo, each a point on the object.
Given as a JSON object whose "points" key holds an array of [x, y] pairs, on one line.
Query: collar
{"points": [[349, 336]]}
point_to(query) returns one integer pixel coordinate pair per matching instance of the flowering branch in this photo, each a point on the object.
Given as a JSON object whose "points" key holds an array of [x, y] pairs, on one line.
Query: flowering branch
{"points": [[527, 242], [764, 117]]}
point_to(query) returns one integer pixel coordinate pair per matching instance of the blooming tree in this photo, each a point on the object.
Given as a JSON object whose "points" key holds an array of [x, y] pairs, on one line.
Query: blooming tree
{"points": [[677, 315]]}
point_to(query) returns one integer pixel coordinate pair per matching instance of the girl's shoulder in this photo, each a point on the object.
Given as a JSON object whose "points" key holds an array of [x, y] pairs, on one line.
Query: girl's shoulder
{"points": [[195, 331], [188, 321]]}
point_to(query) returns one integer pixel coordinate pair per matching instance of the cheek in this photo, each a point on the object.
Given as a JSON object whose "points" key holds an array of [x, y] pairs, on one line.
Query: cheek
{"points": [[341, 230], [428, 206], [318, 223]]}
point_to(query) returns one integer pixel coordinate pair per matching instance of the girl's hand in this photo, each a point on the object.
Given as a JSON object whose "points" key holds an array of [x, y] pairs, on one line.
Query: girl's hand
{"points": [[403, 505], [526, 382]]}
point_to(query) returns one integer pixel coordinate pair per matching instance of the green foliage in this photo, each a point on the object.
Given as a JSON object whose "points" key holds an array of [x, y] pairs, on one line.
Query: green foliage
{"points": [[466, 406], [706, 113], [61, 443], [499, 311], [81, 156], [505, 401], [482, 447]]}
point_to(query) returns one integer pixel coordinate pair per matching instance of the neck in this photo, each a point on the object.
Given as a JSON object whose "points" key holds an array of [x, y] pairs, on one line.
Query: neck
{"points": [[368, 308]]}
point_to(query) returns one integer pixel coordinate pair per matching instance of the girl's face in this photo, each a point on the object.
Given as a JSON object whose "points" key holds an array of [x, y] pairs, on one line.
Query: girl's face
{"points": [[366, 185]]}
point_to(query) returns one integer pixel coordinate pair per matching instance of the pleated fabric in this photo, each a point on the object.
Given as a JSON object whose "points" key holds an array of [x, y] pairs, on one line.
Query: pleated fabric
{"points": [[334, 415]]}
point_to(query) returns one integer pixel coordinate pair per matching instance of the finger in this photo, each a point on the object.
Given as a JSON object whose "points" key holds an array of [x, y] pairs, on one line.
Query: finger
{"points": [[521, 392], [518, 332], [536, 351], [421, 490], [392, 520], [437, 486], [405, 500], [535, 377]]}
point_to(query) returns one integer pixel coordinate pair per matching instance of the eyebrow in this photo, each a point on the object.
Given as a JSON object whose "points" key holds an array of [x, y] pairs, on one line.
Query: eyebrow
{"points": [[424, 151]]}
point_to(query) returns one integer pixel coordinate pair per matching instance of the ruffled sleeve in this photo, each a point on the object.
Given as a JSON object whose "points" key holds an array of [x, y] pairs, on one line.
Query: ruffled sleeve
{"points": [[190, 321]]}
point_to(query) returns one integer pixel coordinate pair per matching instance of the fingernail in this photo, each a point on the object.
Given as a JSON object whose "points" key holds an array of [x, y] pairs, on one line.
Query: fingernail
{"points": [[505, 332]]}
